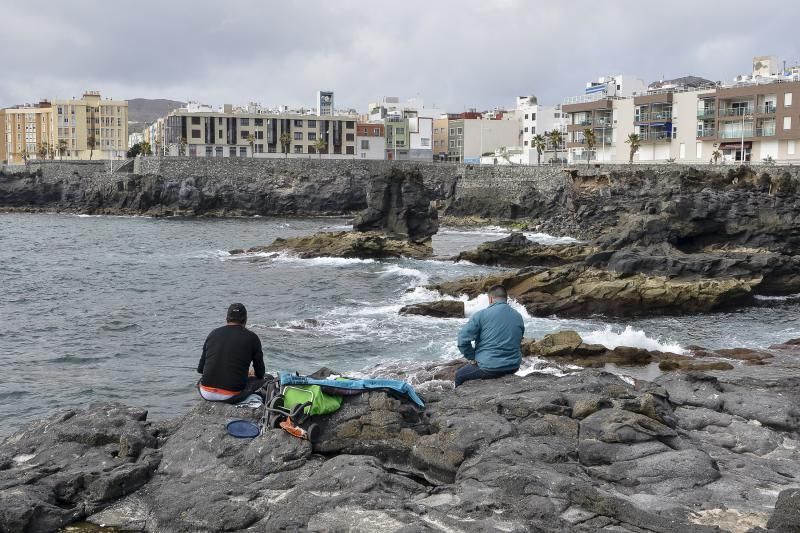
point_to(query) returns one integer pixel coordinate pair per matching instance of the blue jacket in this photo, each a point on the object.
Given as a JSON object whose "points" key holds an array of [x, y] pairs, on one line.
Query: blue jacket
{"points": [[497, 332]]}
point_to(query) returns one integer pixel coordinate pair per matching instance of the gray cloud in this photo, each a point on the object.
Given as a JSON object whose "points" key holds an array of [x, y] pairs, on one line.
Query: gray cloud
{"points": [[454, 54]]}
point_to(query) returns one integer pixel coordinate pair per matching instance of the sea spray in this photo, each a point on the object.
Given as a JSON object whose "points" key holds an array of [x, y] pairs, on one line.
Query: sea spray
{"points": [[611, 337]]}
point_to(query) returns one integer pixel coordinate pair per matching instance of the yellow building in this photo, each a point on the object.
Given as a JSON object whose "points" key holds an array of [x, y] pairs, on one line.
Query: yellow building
{"points": [[89, 128]]}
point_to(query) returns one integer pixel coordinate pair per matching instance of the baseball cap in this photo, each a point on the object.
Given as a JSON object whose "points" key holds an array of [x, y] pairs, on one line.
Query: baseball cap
{"points": [[237, 312]]}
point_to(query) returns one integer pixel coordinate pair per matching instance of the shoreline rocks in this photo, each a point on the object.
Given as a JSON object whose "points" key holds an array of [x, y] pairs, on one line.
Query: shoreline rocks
{"points": [[585, 452], [346, 244], [437, 309]]}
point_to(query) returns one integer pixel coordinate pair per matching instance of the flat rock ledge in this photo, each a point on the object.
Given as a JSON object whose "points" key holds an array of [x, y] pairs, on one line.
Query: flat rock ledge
{"points": [[587, 452], [346, 244]]}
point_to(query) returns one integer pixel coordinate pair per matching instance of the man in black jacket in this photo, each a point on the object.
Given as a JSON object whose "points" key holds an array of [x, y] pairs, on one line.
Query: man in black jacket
{"points": [[225, 362]]}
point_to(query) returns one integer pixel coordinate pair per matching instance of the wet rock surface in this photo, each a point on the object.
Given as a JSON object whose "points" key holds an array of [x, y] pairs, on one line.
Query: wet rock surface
{"points": [[517, 251], [438, 309], [586, 452], [344, 244]]}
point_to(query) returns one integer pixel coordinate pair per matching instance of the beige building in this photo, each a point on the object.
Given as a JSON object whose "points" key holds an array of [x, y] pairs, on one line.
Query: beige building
{"points": [[89, 128], [201, 131]]}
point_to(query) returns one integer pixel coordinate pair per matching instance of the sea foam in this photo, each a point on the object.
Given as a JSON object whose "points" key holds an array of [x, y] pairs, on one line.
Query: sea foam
{"points": [[611, 337]]}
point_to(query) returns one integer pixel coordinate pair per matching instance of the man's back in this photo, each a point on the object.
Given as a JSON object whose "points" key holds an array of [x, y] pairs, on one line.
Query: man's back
{"points": [[227, 354], [498, 334]]}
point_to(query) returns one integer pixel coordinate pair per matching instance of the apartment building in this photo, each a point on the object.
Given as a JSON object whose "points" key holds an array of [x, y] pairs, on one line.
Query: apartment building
{"points": [[440, 129], [536, 119], [86, 128], [202, 131], [470, 135], [398, 138], [370, 140]]}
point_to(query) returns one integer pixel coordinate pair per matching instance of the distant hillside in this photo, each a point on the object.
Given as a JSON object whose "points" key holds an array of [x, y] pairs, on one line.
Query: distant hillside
{"points": [[143, 111]]}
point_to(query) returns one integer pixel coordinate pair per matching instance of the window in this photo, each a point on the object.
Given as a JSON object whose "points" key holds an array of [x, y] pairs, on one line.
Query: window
{"points": [[452, 131], [376, 131], [195, 120], [787, 123], [526, 143], [312, 123], [232, 151], [195, 134], [244, 121], [452, 144], [349, 124], [351, 150], [312, 136], [790, 147], [259, 135], [244, 134], [218, 151], [435, 131], [259, 122], [399, 143], [220, 134], [425, 141], [312, 149], [365, 144], [526, 129], [298, 136], [787, 99], [298, 123], [337, 149], [533, 116], [298, 148], [208, 151], [242, 151], [400, 131], [350, 137], [461, 131], [526, 116], [219, 120]]}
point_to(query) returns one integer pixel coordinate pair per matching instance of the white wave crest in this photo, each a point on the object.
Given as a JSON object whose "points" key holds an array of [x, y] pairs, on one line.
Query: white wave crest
{"points": [[777, 298], [611, 338], [396, 270], [482, 302], [545, 238]]}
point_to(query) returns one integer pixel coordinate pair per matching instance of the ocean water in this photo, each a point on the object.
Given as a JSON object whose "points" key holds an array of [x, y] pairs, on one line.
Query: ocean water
{"points": [[117, 309]]}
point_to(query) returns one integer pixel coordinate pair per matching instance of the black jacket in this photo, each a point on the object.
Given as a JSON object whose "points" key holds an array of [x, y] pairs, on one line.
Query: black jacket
{"points": [[227, 354]]}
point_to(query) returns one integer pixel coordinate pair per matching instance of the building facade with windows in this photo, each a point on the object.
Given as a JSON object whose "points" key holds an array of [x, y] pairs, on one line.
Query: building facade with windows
{"points": [[202, 131], [370, 140], [86, 128]]}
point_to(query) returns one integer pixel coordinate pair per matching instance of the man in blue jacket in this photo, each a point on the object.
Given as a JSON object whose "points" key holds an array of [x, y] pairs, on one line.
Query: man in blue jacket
{"points": [[497, 333]]}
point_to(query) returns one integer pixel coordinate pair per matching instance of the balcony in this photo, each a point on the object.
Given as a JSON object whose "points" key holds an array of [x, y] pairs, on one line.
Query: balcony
{"points": [[706, 132], [707, 112], [766, 109], [735, 111], [765, 132], [736, 134], [584, 122], [655, 136], [655, 116]]}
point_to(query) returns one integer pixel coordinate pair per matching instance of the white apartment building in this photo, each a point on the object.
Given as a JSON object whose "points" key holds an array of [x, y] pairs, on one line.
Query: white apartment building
{"points": [[536, 119], [371, 140]]}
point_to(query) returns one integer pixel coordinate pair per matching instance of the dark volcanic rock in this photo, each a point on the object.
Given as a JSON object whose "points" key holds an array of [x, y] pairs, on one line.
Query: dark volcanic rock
{"points": [[438, 309], [399, 205], [345, 244], [786, 518], [586, 452], [517, 251], [73, 464]]}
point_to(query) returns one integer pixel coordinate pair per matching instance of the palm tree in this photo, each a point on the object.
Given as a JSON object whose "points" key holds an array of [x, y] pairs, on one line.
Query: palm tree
{"points": [[556, 138], [634, 140], [321, 146], [591, 142], [716, 155], [251, 140], [43, 150], [540, 144], [286, 142], [91, 142], [62, 147], [145, 148]]}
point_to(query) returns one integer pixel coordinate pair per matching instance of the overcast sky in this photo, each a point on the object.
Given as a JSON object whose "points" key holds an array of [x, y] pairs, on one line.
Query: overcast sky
{"points": [[454, 54]]}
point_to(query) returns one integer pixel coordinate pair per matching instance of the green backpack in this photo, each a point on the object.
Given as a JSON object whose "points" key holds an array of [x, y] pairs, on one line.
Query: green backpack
{"points": [[321, 403]]}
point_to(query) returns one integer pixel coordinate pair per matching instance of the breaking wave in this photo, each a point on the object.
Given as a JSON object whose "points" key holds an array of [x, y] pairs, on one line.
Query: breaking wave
{"points": [[611, 337]]}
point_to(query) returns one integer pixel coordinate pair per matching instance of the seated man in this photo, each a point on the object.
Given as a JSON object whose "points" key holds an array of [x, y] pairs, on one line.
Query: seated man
{"points": [[225, 362], [497, 333]]}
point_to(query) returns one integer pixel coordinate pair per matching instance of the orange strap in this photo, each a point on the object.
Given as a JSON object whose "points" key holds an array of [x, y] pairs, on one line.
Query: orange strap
{"points": [[218, 391]]}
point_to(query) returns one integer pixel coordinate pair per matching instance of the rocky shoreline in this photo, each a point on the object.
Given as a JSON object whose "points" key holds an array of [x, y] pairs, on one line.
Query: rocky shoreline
{"points": [[590, 451]]}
